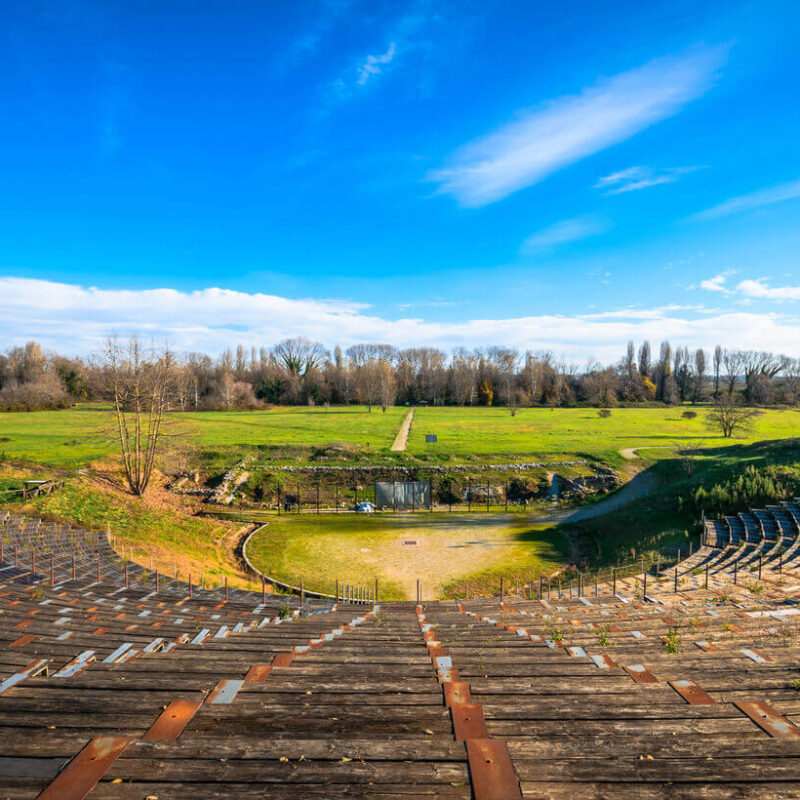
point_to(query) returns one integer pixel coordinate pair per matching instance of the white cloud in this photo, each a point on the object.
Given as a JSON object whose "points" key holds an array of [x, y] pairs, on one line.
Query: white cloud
{"points": [[568, 230], [374, 64], [750, 202], [546, 139], [716, 284], [75, 319], [634, 178], [759, 289]]}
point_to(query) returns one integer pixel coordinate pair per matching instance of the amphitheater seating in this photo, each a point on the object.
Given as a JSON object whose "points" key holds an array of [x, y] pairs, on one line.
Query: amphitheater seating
{"points": [[110, 691]]}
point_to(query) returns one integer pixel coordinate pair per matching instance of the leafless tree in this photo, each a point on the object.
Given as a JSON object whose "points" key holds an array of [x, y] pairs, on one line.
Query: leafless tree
{"points": [[727, 416], [732, 364], [139, 384], [299, 355]]}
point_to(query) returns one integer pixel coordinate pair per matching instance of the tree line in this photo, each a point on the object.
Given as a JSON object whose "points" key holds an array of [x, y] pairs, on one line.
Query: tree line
{"points": [[298, 371]]}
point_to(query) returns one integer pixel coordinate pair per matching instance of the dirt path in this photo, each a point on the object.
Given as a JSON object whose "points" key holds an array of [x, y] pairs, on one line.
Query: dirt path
{"points": [[402, 435], [638, 487], [629, 453]]}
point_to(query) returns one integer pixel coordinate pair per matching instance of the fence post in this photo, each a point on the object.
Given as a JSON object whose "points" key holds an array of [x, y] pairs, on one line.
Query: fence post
{"points": [[337, 590], [52, 571], [74, 575], [516, 587], [501, 588], [156, 581], [735, 570], [418, 592], [98, 570], [376, 590], [780, 562], [469, 494], [548, 588], [317, 495], [263, 590], [675, 588], [691, 548], [33, 560], [15, 556], [302, 594], [126, 576], [706, 586], [226, 588], [644, 585], [505, 496], [540, 587], [613, 580], [759, 567], [190, 585]]}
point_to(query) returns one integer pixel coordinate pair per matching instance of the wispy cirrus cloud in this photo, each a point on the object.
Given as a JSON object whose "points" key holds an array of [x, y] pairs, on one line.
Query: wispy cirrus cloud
{"points": [[749, 202], [564, 232], [76, 319], [633, 179], [546, 139]]}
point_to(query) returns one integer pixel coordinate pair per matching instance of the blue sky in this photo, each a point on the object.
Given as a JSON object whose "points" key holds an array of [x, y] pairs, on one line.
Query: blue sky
{"points": [[449, 173]]}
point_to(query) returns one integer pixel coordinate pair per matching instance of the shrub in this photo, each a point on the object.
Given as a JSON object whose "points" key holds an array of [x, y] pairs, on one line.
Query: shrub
{"points": [[604, 413], [689, 415]]}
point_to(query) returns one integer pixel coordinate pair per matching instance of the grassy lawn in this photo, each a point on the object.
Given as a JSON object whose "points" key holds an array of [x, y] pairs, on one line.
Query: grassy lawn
{"points": [[80, 435], [449, 550], [544, 433]]}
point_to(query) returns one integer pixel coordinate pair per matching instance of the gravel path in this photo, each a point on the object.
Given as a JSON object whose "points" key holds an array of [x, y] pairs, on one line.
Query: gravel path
{"points": [[629, 453], [402, 435]]}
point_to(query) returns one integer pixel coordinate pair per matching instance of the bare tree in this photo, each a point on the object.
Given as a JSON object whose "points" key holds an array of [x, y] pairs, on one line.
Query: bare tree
{"points": [[732, 363], [139, 383], [299, 355], [717, 367], [727, 416], [700, 372]]}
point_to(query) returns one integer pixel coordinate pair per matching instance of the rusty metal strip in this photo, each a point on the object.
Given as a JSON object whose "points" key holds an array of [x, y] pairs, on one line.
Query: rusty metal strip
{"points": [[692, 693], [491, 771], [172, 720], [24, 623], [755, 656], [468, 722], [22, 641], [81, 775], [602, 662], [31, 671], [79, 663], [257, 673], [769, 720], [224, 693], [705, 646], [640, 674], [282, 659], [456, 692]]}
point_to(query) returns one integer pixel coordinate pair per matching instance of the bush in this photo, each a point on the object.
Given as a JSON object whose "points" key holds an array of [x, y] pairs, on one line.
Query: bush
{"points": [[689, 415], [46, 392], [604, 413]]}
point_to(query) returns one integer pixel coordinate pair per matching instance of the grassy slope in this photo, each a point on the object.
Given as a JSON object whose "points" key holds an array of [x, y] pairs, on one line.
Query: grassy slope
{"points": [[665, 519], [541, 432], [357, 549], [152, 527]]}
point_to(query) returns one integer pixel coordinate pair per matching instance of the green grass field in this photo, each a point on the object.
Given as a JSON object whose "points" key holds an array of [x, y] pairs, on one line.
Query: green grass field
{"points": [[80, 435], [449, 550], [545, 433]]}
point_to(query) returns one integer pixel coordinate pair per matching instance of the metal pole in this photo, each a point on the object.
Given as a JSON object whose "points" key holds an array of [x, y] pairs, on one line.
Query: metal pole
{"points": [[156, 581], [302, 594], [735, 570], [516, 585], [15, 556], [644, 586], [614, 580], [540, 587], [33, 560], [376, 590], [759, 567], [126, 576], [98, 570], [190, 585], [501, 587], [706, 576], [74, 575], [469, 494], [675, 588], [336, 495], [226, 588], [263, 590], [780, 562], [317, 495], [337, 590], [505, 496], [52, 571], [548, 588], [418, 592]]}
